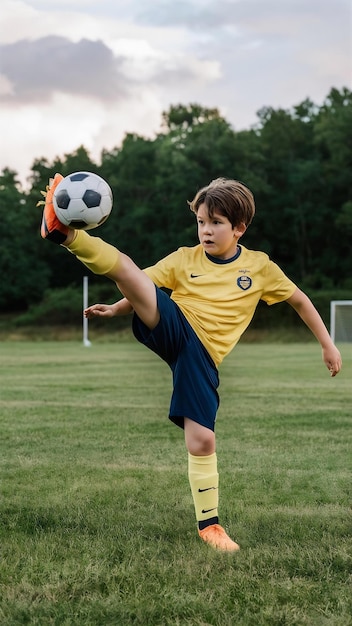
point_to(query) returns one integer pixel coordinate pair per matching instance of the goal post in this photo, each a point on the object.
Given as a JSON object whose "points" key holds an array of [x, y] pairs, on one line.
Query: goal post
{"points": [[341, 320], [86, 341]]}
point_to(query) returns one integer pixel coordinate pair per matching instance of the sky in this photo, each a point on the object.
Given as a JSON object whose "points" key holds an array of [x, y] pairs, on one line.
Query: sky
{"points": [[84, 72]]}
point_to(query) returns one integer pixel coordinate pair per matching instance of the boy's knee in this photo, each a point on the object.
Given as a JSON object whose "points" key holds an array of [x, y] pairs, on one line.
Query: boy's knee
{"points": [[200, 441], [201, 448]]}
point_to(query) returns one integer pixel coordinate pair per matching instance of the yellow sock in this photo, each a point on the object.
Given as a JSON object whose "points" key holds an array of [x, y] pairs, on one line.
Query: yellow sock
{"points": [[204, 480], [100, 257]]}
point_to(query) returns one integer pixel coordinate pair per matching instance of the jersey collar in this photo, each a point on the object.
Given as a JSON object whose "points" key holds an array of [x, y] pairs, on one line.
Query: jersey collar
{"points": [[215, 259]]}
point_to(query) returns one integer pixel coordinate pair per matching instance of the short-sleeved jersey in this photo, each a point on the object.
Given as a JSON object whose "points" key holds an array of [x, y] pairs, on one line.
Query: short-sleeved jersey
{"points": [[217, 297]]}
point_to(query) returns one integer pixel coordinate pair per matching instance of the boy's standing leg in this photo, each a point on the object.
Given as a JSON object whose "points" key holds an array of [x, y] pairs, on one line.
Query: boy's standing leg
{"points": [[204, 481], [136, 286]]}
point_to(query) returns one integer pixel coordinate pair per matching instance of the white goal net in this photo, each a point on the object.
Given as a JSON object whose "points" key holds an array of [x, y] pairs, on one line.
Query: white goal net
{"points": [[341, 320]]}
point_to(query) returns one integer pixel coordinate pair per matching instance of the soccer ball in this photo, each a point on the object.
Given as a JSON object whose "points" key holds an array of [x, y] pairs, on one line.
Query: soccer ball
{"points": [[82, 200]]}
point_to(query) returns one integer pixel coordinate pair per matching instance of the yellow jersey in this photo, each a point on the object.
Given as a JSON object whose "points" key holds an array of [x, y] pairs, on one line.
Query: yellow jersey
{"points": [[217, 297]]}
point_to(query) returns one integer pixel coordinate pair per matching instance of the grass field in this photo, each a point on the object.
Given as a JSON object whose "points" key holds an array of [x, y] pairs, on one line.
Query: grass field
{"points": [[96, 518]]}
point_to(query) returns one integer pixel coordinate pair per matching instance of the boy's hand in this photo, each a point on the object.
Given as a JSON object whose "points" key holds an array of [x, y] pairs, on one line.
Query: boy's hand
{"points": [[121, 307], [100, 310], [51, 227], [332, 359]]}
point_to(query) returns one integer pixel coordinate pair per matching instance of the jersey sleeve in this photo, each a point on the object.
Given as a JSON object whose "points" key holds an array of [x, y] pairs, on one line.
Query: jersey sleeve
{"points": [[163, 272], [278, 287]]}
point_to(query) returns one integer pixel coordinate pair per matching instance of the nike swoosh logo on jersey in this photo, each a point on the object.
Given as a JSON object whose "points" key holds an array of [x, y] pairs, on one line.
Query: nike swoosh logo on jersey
{"points": [[196, 275], [207, 489]]}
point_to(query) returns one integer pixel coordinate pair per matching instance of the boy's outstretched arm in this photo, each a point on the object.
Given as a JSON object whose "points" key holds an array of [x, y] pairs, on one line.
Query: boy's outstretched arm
{"points": [[121, 307], [307, 311]]}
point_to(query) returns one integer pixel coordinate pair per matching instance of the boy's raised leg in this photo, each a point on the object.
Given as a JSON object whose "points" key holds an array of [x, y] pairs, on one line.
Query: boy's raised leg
{"points": [[102, 258]]}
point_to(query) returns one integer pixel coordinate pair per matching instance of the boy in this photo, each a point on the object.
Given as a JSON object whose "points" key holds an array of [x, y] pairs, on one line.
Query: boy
{"points": [[215, 288]]}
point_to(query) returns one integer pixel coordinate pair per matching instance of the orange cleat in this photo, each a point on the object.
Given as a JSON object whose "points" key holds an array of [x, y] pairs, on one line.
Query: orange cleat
{"points": [[216, 537], [51, 227]]}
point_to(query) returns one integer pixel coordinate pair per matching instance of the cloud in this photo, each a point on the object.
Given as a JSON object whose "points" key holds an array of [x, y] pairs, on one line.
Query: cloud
{"points": [[33, 71], [37, 69]]}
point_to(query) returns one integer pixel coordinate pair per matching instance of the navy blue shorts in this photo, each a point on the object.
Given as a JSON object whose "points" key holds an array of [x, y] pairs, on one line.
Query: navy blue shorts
{"points": [[195, 375]]}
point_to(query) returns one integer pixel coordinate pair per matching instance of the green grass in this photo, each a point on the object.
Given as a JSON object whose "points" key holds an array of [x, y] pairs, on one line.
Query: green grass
{"points": [[96, 518]]}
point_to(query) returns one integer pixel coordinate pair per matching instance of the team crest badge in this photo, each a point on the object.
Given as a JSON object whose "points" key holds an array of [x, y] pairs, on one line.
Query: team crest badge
{"points": [[244, 282]]}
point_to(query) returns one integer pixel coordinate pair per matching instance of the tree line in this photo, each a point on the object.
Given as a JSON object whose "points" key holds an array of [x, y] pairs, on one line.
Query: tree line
{"points": [[297, 162]]}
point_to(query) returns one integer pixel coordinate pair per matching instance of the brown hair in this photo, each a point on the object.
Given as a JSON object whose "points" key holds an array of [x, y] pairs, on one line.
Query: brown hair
{"points": [[229, 198]]}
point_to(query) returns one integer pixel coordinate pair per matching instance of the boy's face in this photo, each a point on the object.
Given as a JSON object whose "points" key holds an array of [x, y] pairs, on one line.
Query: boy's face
{"points": [[217, 235]]}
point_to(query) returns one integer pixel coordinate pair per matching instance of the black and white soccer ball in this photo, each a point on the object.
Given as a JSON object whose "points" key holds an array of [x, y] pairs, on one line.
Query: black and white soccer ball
{"points": [[82, 200]]}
